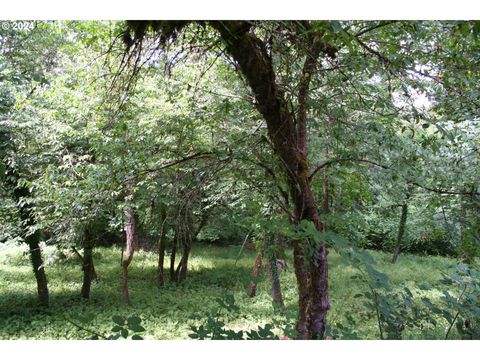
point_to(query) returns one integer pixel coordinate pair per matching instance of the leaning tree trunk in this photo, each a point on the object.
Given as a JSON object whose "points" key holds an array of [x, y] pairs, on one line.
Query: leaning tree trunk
{"points": [[252, 287], [89, 273], [401, 230], [161, 249], [130, 243], [289, 140]]}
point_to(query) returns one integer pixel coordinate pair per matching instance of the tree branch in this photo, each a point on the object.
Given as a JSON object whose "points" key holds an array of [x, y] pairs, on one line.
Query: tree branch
{"points": [[408, 181]]}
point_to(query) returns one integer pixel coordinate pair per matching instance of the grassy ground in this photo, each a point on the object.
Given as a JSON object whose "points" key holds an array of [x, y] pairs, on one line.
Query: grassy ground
{"points": [[168, 312]]}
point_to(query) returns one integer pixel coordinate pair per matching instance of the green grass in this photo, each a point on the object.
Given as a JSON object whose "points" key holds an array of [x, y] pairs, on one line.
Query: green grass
{"points": [[167, 312]]}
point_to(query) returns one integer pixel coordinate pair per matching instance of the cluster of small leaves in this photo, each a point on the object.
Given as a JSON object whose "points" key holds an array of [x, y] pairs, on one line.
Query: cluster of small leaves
{"points": [[214, 327], [341, 331], [395, 310], [462, 310], [125, 327]]}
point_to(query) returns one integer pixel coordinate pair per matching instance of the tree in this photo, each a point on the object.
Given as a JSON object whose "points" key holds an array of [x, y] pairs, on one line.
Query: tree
{"points": [[286, 108]]}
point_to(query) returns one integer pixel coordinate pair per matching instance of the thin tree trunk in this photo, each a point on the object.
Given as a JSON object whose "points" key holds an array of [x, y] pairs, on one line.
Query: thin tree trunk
{"points": [[272, 270], [252, 287], [93, 275], [38, 270], [190, 235], [326, 188], [181, 273], [401, 230], [161, 249], [173, 277], [87, 264], [130, 243]]}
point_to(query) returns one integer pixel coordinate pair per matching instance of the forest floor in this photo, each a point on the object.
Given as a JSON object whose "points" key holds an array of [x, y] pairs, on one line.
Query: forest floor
{"points": [[168, 312]]}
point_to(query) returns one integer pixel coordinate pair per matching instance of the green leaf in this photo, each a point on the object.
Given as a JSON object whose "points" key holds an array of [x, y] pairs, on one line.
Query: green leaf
{"points": [[120, 320], [124, 333], [136, 328], [136, 337], [117, 328], [134, 320]]}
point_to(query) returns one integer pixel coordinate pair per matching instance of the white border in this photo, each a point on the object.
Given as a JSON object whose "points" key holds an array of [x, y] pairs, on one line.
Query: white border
{"points": [[240, 9], [241, 350]]}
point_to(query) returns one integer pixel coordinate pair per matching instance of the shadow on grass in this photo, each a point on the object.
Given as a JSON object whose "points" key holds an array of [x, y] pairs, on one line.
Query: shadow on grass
{"points": [[200, 283]]}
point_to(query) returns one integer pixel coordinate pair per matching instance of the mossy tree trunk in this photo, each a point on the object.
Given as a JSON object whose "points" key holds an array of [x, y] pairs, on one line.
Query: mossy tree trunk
{"points": [[289, 139]]}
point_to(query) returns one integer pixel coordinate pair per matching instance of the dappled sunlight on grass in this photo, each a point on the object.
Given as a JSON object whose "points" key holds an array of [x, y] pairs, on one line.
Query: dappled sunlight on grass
{"points": [[168, 312]]}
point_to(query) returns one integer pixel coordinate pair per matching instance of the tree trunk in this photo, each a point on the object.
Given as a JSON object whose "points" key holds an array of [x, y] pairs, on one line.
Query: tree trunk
{"points": [[272, 270], [173, 274], [93, 275], [401, 230], [290, 144], [181, 273], [32, 240], [252, 287], [38, 270], [161, 249], [189, 235], [326, 188], [89, 273], [130, 243]]}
